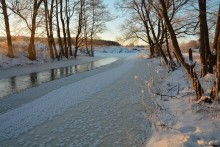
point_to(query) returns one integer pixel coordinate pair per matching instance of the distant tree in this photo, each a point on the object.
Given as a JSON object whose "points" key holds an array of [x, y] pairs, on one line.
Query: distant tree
{"points": [[97, 17], [7, 29], [146, 24]]}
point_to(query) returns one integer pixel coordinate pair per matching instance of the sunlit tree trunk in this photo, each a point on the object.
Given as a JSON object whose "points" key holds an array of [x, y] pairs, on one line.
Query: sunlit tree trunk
{"points": [[190, 69], [218, 69], [217, 30], [31, 47], [204, 49], [7, 28]]}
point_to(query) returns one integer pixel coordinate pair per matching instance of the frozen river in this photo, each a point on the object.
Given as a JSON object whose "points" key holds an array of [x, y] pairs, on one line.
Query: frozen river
{"points": [[96, 108]]}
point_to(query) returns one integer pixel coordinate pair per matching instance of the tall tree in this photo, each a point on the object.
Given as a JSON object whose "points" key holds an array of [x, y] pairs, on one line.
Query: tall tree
{"points": [[18, 7], [79, 27], [217, 30], [66, 53], [49, 28], [97, 17], [204, 48], [61, 51], [188, 67], [7, 28]]}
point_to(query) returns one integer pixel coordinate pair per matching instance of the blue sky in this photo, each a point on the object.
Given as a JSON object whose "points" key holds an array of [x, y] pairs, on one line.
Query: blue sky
{"points": [[113, 28]]}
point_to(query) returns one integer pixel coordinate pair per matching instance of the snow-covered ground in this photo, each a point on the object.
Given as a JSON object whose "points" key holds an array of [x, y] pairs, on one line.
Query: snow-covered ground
{"points": [[106, 107], [96, 108], [180, 120]]}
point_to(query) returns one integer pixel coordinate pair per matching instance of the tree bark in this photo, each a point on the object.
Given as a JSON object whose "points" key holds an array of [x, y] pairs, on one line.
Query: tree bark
{"points": [[204, 49], [218, 69], [216, 87], [217, 30]]}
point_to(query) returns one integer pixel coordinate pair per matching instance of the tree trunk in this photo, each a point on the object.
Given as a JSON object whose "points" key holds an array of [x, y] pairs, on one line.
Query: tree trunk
{"points": [[51, 28], [7, 28], [79, 28], [190, 69], [152, 51], [50, 19], [217, 30], [47, 29], [216, 87], [31, 47], [61, 53], [218, 69], [91, 45], [172, 64], [158, 45], [204, 49], [69, 40], [64, 30]]}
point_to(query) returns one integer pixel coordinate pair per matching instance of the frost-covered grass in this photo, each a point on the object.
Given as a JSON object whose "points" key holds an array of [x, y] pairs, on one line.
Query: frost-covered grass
{"points": [[21, 55], [176, 118], [56, 102]]}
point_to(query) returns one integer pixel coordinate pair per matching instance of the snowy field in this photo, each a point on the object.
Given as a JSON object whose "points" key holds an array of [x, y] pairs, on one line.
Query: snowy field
{"points": [[105, 107]]}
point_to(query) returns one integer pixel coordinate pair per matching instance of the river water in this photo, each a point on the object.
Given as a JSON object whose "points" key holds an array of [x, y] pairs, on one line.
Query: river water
{"points": [[16, 84]]}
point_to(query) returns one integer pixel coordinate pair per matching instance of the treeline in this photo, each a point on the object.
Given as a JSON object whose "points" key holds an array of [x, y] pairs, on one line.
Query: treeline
{"points": [[161, 22], [69, 23], [96, 42]]}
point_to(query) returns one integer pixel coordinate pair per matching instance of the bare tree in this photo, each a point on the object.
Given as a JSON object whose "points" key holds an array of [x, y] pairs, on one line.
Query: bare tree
{"points": [[63, 29], [18, 7], [217, 31], [7, 28], [216, 86], [204, 48], [49, 27], [80, 27], [97, 17], [190, 69], [61, 52]]}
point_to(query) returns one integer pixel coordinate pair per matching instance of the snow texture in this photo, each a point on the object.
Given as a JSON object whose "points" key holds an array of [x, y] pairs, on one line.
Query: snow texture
{"points": [[197, 124], [56, 102]]}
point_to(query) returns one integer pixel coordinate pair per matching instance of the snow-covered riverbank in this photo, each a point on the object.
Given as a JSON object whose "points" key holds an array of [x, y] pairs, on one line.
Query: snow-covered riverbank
{"points": [[101, 109]]}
